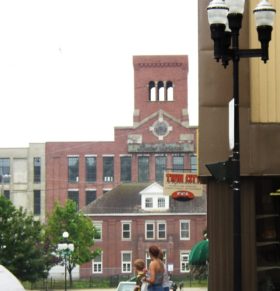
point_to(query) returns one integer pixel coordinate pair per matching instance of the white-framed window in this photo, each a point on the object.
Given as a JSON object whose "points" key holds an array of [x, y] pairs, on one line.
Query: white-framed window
{"points": [[161, 202], [150, 230], [126, 230], [73, 194], [147, 258], [98, 227], [108, 168], [155, 202], [161, 229], [126, 257], [97, 266], [164, 256], [155, 230], [184, 261], [184, 229], [148, 202]]}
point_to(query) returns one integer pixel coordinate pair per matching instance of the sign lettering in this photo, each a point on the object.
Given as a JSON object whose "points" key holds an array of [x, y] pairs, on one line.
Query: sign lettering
{"points": [[182, 184]]}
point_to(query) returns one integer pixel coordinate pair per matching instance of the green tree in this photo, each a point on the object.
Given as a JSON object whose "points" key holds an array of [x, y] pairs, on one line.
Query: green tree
{"points": [[81, 233], [22, 247]]}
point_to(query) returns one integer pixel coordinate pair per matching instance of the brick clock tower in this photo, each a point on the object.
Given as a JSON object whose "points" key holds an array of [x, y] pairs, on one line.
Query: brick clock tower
{"points": [[160, 119]]}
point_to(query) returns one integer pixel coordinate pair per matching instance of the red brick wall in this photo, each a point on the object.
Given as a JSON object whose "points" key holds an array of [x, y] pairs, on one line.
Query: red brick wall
{"points": [[112, 245], [160, 68]]}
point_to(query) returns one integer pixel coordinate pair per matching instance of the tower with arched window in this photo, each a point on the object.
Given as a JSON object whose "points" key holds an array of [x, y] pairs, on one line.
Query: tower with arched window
{"points": [[160, 84]]}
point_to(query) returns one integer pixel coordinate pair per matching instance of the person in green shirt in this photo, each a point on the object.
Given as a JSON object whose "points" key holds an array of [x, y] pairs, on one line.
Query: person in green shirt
{"points": [[140, 269]]}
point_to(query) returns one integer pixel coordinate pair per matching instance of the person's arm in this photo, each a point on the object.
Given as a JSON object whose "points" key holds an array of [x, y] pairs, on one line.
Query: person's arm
{"points": [[152, 276]]}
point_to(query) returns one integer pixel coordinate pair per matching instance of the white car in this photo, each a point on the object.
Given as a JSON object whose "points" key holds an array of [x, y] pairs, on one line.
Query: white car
{"points": [[126, 286]]}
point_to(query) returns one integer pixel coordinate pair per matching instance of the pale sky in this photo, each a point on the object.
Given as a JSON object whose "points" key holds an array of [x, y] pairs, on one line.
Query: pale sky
{"points": [[66, 71]]}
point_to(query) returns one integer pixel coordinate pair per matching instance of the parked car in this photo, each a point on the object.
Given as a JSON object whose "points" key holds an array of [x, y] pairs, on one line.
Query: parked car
{"points": [[126, 286], [172, 286]]}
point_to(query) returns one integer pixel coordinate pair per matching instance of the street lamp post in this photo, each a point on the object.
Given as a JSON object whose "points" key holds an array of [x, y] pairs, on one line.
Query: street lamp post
{"points": [[65, 249], [225, 20]]}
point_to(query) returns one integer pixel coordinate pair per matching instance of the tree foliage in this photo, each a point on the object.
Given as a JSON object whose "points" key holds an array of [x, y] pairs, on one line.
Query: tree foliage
{"points": [[81, 233], [22, 247]]}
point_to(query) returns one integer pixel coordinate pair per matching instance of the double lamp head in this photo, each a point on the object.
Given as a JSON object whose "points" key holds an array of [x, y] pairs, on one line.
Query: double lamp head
{"points": [[225, 20]]}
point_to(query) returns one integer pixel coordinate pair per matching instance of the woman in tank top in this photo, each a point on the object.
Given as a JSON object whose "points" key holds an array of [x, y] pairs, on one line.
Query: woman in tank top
{"points": [[156, 270]]}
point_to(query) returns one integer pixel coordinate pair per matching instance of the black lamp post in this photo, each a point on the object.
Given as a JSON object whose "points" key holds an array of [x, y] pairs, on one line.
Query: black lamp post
{"points": [[225, 19]]}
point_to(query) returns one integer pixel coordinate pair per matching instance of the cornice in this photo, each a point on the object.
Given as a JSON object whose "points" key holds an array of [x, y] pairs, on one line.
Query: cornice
{"points": [[145, 65]]}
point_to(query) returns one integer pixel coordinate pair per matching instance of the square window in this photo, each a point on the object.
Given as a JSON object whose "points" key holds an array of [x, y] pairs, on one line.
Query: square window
{"points": [[161, 227], [161, 202], [143, 169], [90, 196], [184, 229], [98, 228], [149, 203], [184, 261], [126, 262], [126, 230], [74, 195], [5, 170], [108, 169], [150, 229], [36, 170], [160, 168], [97, 267], [90, 169], [37, 202], [73, 169], [178, 163], [126, 169]]}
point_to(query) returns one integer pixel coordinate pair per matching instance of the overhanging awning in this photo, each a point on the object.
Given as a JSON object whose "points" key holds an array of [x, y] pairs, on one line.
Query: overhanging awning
{"points": [[199, 253]]}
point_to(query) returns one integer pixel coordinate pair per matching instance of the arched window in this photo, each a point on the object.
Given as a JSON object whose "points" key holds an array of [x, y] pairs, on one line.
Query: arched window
{"points": [[152, 91], [161, 91], [169, 91]]}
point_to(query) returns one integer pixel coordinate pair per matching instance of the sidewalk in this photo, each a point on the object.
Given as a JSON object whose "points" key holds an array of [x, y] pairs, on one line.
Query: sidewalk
{"points": [[93, 289]]}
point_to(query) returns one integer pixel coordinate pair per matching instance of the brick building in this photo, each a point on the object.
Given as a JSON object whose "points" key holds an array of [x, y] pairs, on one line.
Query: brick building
{"points": [[160, 138], [106, 178], [132, 217]]}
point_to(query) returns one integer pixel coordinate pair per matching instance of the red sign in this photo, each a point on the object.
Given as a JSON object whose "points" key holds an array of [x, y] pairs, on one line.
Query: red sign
{"points": [[182, 195]]}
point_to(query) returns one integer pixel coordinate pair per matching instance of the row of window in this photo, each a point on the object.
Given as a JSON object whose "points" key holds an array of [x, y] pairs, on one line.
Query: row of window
{"points": [[90, 195], [156, 202], [108, 168], [149, 202], [127, 263], [125, 168], [36, 200], [73, 195], [154, 230], [5, 170]]}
